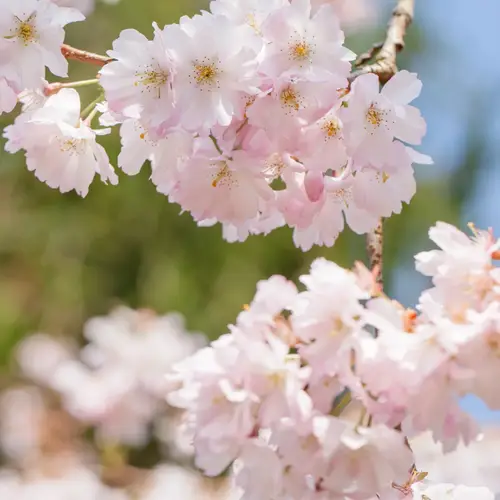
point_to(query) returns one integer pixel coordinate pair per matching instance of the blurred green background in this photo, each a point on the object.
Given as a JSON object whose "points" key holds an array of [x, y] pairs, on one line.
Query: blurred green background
{"points": [[64, 259]]}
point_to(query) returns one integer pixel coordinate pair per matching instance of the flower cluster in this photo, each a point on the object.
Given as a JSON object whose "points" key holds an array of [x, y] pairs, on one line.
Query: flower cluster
{"points": [[116, 383], [248, 118], [312, 392], [31, 35]]}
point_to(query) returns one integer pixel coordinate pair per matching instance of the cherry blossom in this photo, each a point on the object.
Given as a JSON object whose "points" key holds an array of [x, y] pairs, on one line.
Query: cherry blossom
{"points": [[282, 378], [214, 77], [138, 83], [56, 131], [247, 116], [373, 118], [31, 34], [305, 46]]}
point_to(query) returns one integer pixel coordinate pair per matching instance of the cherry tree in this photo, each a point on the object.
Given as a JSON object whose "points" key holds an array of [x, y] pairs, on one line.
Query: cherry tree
{"points": [[255, 115]]}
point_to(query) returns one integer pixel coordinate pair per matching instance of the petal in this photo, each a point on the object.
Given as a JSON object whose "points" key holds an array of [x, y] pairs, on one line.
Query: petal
{"points": [[410, 126], [402, 88], [63, 106], [360, 221]]}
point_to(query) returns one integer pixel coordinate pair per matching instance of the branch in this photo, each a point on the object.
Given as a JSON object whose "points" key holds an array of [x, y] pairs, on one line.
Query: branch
{"points": [[375, 249], [385, 67], [83, 56], [385, 63]]}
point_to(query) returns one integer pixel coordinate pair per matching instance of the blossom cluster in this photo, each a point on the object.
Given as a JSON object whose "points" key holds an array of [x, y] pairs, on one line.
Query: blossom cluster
{"points": [[114, 385], [246, 113], [313, 393]]}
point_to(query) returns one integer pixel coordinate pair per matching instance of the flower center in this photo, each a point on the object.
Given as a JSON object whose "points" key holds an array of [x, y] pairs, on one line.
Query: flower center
{"points": [[152, 80], [26, 30], [375, 116], [206, 74], [223, 176], [274, 166], [277, 379], [290, 98], [343, 195], [72, 146], [331, 128], [300, 51], [382, 177]]}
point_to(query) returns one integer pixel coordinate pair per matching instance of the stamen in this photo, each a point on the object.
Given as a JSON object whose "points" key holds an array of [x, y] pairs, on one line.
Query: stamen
{"points": [[71, 146], [26, 30], [274, 166], [343, 195], [374, 116], [153, 80], [300, 51], [290, 98], [205, 74], [331, 128], [223, 176]]}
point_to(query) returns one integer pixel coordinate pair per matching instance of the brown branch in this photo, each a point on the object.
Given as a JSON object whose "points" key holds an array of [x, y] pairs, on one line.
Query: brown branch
{"points": [[375, 249], [367, 56], [385, 62], [84, 56], [385, 66]]}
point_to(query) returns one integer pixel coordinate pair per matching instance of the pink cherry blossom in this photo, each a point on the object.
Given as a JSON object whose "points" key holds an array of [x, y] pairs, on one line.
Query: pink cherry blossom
{"points": [[56, 131], [31, 35], [247, 12], [373, 118], [138, 83], [301, 45], [214, 77], [229, 187]]}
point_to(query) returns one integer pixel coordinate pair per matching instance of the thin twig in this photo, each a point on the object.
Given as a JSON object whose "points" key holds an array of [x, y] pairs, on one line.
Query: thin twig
{"points": [[54, 88], [84, 56], [385, 63]]}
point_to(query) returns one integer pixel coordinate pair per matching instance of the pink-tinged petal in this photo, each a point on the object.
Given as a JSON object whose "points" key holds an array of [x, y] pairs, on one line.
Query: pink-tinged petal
{"points": [[50, 46], [63, 106], [402, 88], [419, 158], [8, 98], [62, 16], [367, 86], [410, 127], [314, 185], [360, 221]]}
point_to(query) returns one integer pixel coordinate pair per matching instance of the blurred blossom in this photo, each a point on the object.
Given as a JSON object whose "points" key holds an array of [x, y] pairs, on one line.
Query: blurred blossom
{"points": [[114, 384], [84, 6], [117, 382], [39, 356], [474, 465], [353, 14], [144, 344], [171, 431], [21, 413], [77, 484], [170, 481]]}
